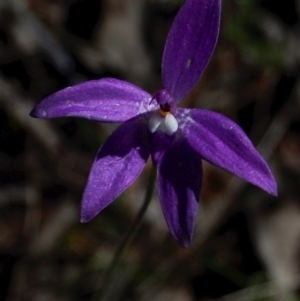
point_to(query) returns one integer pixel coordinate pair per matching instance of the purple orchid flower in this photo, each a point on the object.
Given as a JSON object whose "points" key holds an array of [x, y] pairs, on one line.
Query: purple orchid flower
{"points": [[176, 138]]}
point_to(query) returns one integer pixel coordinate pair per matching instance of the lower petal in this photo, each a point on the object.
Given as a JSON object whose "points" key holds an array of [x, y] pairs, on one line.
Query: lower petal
{"points": [[223, 143], [159, 143], [179, 185], [117, 164]]}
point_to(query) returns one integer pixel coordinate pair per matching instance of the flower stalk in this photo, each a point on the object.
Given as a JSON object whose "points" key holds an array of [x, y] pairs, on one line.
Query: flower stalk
{"points": [[101, 294]]}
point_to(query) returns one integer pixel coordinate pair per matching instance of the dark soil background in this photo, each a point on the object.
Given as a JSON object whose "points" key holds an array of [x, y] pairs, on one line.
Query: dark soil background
{"points": [[246, 246]]}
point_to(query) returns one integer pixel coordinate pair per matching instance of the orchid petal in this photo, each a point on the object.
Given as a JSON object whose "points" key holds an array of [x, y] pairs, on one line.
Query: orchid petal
{"points": [[108, 100], [159, 142], [223, 143], [179, 185], [190, 44], [116, 166]]}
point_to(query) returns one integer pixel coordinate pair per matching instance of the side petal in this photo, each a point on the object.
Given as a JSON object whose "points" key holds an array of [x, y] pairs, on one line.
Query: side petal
{"points": [[223, 143], [118, 163], [179, 185], [190, 44], [108, 100]]}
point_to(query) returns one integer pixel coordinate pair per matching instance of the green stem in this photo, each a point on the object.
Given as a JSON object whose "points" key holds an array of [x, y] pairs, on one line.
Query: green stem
{"points": [[129, 235]]}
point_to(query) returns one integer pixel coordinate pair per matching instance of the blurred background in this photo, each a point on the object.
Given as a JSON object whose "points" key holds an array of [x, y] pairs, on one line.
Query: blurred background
{"points": [[246, 245]]}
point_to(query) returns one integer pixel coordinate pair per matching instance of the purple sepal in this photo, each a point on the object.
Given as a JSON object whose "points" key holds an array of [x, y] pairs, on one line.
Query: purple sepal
{"points": [[223, 143], [108, 100], [179, 184], [190, 44], [159, 142], [117, 164]]}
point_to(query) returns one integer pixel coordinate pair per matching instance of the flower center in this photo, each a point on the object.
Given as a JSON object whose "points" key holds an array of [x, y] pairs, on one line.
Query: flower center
{"points": [[164, 110], [163, 120]]}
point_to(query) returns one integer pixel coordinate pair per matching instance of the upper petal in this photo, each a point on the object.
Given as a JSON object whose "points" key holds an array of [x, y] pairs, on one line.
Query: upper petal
{"points": [[179, 185], [107, 99], [223, 143], [189, 45], [117, 164]]}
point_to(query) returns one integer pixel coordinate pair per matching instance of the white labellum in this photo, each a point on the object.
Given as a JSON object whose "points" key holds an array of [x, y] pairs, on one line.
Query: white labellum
{"points": [[166, 124]]}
